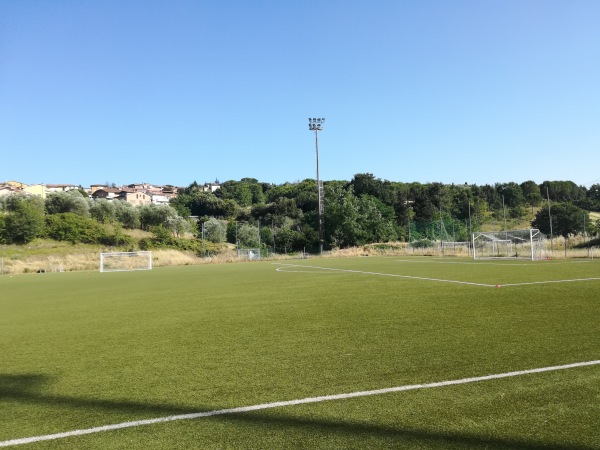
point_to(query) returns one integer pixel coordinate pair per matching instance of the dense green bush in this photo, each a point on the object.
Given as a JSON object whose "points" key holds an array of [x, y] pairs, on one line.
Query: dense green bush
{"points": [[23, 220], [73, 228], [63, 202], [163, 238]]}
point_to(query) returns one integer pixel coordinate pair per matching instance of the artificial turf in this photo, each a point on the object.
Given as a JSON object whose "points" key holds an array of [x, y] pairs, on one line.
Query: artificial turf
{"points": [[82, 350]]}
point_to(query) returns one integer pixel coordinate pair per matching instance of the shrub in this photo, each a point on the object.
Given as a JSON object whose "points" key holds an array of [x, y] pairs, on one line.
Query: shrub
{"points": [[73, 228], [117, 239], [24, 221], [164, 239], [63, 202]]}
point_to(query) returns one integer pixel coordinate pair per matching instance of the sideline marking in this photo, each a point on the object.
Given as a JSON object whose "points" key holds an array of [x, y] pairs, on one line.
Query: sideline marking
{"points": [[488, 262], [551, 281], [324, 398], [506, 264], [525, 283]]}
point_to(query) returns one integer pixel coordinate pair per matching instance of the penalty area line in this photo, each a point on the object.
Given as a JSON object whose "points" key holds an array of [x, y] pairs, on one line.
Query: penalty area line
{"points": [[440, 280], [411, 277], [281, 404]]}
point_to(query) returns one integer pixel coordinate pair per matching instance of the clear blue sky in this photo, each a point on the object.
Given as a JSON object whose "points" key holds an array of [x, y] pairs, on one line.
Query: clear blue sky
{"points": [[168, 92]]}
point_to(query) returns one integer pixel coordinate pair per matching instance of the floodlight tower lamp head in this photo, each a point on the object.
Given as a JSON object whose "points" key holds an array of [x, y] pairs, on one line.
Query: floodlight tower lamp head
{"points": [[315, 124]]}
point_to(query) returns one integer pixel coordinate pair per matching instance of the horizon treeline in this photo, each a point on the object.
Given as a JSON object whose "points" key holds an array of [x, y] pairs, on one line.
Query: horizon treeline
{"points": [[368, 209], [284, 217]]}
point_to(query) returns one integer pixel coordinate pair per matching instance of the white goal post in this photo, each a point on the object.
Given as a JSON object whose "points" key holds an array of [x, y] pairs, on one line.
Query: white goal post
{"points": [[521, 244], [125, 261]]}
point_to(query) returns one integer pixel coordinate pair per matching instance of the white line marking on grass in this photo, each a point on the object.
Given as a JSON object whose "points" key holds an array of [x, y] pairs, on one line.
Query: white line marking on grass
{"points": [[525, 283], [282, 269], [487, 262], [388, 275], [551, 281], [304, 401], [509, 264]]}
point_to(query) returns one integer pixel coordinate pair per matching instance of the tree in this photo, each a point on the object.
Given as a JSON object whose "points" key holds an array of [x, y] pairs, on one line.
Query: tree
{"points": [[155, 215], [24, 221], [193, 201], [178, 225], [214, 231], [285, 238], [593, 197], [68, 202], [104, 211], [531, 193], [366, 183], [306, 198], [567, 219], [127, 214], [341, 216], [377, 221], [511, 193], [247, 236], [240, 192], [207, 204], [423, 205], [562, 191], [246, 192]]}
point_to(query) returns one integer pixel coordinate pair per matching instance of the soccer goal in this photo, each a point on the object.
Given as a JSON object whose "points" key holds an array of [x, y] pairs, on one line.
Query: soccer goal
{"points": [[455, 248], [248, 253], [125, 261], [522, 244]]}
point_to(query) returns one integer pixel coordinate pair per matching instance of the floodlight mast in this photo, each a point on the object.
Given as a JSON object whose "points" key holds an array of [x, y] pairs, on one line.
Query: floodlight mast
{"points": [[316, 125]]}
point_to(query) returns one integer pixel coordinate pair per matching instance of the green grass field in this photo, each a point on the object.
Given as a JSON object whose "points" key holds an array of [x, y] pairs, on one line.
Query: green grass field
{"points": [[88, 349]]}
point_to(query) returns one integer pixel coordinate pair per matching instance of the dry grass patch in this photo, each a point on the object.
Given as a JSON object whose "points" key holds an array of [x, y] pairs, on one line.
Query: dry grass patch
{"points": [[161, 258]]}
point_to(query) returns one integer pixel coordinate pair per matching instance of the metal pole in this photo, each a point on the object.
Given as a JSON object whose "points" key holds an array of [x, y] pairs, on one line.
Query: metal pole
{"points": [[470, 229], [550, 217], [203, 251], [316, 125], [505, 233], [504, 212], [531, 242], [585, 236], [319, 194]]}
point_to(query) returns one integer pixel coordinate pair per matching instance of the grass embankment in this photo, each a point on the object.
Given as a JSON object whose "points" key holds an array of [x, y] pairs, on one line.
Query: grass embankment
{"points": [[52, 256]]}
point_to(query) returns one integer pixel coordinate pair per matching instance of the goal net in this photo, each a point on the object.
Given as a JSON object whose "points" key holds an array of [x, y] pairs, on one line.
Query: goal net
{"points": [[248, 253], [125, 261], [522, 244], [455, 248]]}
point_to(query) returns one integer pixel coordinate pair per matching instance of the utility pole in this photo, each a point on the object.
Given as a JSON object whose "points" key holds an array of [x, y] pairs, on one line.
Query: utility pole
{"points": [[316, 125], [505, 232], [550, 217]]}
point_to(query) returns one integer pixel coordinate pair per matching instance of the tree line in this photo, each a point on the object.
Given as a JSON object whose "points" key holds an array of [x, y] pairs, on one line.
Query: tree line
{"points": [[73, 217], [249, 213], [368, 209]]}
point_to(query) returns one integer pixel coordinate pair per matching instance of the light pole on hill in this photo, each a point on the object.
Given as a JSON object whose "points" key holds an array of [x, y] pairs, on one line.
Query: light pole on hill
{"points": [[316, 125]]}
